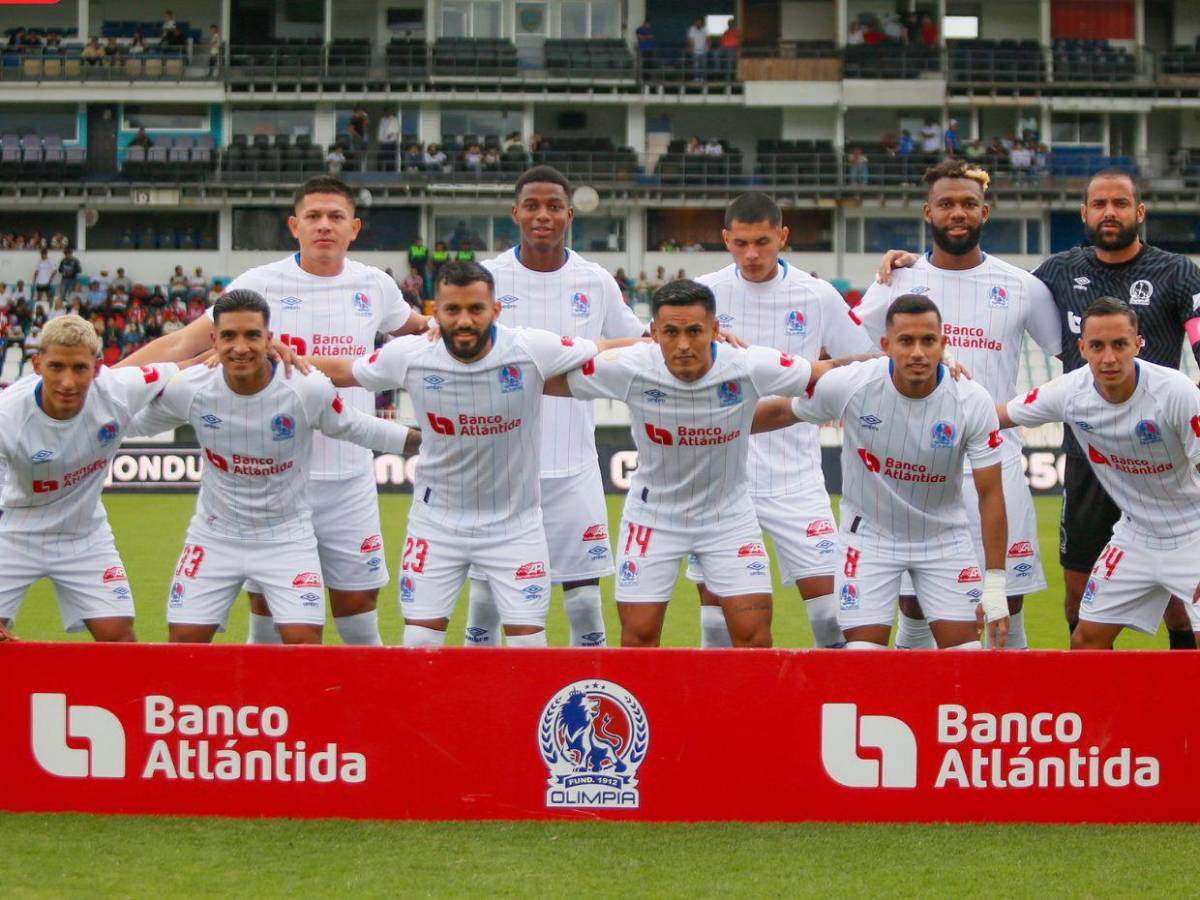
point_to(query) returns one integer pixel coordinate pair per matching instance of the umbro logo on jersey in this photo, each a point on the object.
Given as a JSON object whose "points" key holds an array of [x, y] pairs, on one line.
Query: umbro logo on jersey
{"points": [[210, 421], [756, 568], [1081, 283], [919, 289], [1022, 570], [310, 599], [870, 421], [1140, 293], [825, 547], [1083, 426], [434, 382], [43, 456], [654, 395], [532, 591], [725, 320], [290, 302], [598, 552], [508, 301]]}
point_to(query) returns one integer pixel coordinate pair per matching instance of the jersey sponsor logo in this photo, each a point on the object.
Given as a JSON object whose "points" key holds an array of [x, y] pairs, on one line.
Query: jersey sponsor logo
{"points": [[998, 297], [659, 435], [795, 323], [600, 551], [655, 396], [1196, 425], [628, 573], [508, 301], [597, 532], [729, 393], [870, 421], [307, 579], [408, 589], [290, 302], [530, 570], [995, 439], [1140, 292], [589, 367], [114, 573], [283, 427], [825, 547], [149, 374], [969, 337], [1096, 456], [942, 435], [1020, 549], [581, 306], [337, 404], [1032, 395], [969, 575], [870, 460], [1022, 570], [1083, 426], [849, 596], [593, 735], [177, 590], [362, 303], [754, 548], [42, 456], [567, 341], [210, 421], [440, 424], [819, 527], [107, 433], [310, 600], [756, 568], [1074, 322], [510, 379], [44, 487], [434, 382], [372, 544], [1148, 432], [374, 356], [786, 360]]}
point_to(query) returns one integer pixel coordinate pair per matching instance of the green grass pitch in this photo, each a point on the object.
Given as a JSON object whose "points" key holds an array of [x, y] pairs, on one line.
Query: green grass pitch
{"points": [[73, 855]]}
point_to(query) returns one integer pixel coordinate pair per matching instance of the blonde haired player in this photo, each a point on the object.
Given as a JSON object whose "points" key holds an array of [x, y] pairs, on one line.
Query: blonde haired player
{"points": [[59, 430]]}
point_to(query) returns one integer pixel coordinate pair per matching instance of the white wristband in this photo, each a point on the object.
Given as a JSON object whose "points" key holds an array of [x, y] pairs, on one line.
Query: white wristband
{"points": [[995, 603]]}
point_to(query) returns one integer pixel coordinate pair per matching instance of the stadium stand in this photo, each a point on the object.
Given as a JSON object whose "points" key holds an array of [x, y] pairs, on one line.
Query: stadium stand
{"points": [[589, 59], [475, 57], [996, 61], [1092, 60]]}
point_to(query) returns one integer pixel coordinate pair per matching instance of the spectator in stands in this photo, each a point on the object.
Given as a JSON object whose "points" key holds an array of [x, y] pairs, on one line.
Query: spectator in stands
{"points": [[123, 281], [32, 41], [105, 282], [157, 298], [36, 241], [20, 293], [929, 31], [360, 129], [1021, 160], [893, 28], [112, 52], [54, 43], [168, 22], [389, 128], [1041, 160], [5, 299], [141, 139], [645, 36], [856, 36], [931, 137], [93, 53], [214, 47], [856, 166], [697, 42], [118, 302], [435, 159], [693, 147], [170, 322], [473, 158], [714, 147], [43, 277], [58, 241], [192, 311], [889, 145], [335, 159], [438, 258], [491, 159], [950, 139], [214, 293], [137, 44], [413, 289], [975, 151], [681, 275], [513, 142], [153, 325], [198, 285], [16, 41], [627, 286], [177, 285], [729, 43], [412, 160], [16, 338], [997, 148], [466, 253]]}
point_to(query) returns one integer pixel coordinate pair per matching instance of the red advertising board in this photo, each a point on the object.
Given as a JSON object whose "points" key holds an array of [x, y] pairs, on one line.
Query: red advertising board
{"points": [[667, 735]]}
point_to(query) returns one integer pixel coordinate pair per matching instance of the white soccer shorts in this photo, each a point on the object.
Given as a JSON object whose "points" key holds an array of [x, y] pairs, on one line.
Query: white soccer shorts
{"points": [[1022, 554], [91, 584], [211, 571], [803, 533], [434, 565], [345, 517], [731, 556], [1130, 585], [867, 586]]}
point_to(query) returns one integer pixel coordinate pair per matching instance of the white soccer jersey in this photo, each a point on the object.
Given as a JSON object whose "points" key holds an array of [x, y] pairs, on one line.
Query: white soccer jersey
{"points": [[1144, 451], [56, 467], [579, 298], [257, 447], [986, 312], [480, 424], [902, 459], [801, 316], [692, 437], [335, 316]]}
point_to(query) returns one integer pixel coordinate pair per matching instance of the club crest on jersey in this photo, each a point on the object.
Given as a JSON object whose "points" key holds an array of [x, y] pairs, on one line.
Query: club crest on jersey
{"points": [[434, 382], [942, 435], [306, 580], [114, 573], [655, 396], [210, 421], [107, 433], [998, 298], [849, 597], [870, 421], [282, 427], [795, 323], [42, 456], [510, 379], [362, 303], [593, 735], [408, 589], [628, 574], [1089, 592], [177, 594], [729, 393], [531, 570], [1148, 432], [290, 302], [581, 306], [1140, 292]]}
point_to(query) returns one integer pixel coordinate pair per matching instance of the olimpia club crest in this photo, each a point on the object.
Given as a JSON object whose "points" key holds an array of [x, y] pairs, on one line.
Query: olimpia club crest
{"points": [[593, 736]]}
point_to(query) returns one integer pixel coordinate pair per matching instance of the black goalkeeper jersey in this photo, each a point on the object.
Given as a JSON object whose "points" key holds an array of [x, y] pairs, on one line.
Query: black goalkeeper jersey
{"points": [[1162, 288]]}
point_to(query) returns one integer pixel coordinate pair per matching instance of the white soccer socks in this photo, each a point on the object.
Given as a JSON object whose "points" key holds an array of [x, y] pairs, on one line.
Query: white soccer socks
{"points": [[420, 636], [361, 630], [822, 618], [483, 618], [263, 630], [582, 605], [864, 645], [538, 639], [713, 632], [1016, 632], [914, 634]]}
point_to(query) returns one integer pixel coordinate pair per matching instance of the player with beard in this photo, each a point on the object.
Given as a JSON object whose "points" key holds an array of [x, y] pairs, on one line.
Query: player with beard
{"points": [[987, 308], [1163, 288]]}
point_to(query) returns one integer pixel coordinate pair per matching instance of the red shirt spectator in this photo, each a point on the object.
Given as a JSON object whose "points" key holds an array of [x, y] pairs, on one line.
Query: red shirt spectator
{"points": [[112, 355], [929, 31]]}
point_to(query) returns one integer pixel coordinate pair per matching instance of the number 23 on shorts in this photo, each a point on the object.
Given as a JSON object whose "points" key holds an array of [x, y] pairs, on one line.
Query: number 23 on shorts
{"points": [[415, 551], [189, 561]]}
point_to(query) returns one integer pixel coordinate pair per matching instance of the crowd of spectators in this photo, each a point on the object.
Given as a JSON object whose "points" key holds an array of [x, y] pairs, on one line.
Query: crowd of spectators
{"points": [[1022, 158], [916, 29]]}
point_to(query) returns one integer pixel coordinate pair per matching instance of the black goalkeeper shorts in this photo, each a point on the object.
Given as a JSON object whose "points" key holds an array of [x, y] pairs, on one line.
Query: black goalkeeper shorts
{"points": [[1088, 517]]}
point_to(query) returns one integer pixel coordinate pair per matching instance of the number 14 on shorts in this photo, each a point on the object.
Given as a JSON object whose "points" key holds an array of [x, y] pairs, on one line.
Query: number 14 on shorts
{"points": [[639, 536]]}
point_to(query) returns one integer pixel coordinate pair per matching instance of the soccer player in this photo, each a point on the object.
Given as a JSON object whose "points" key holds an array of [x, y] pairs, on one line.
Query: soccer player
{"points": [[476, 497], [541, 284], [59, 430], [987, 308], [253, 515], [326, 305], [772, 304], [1140, 423], [692, 403], [1163, 287], [908, 429]]}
